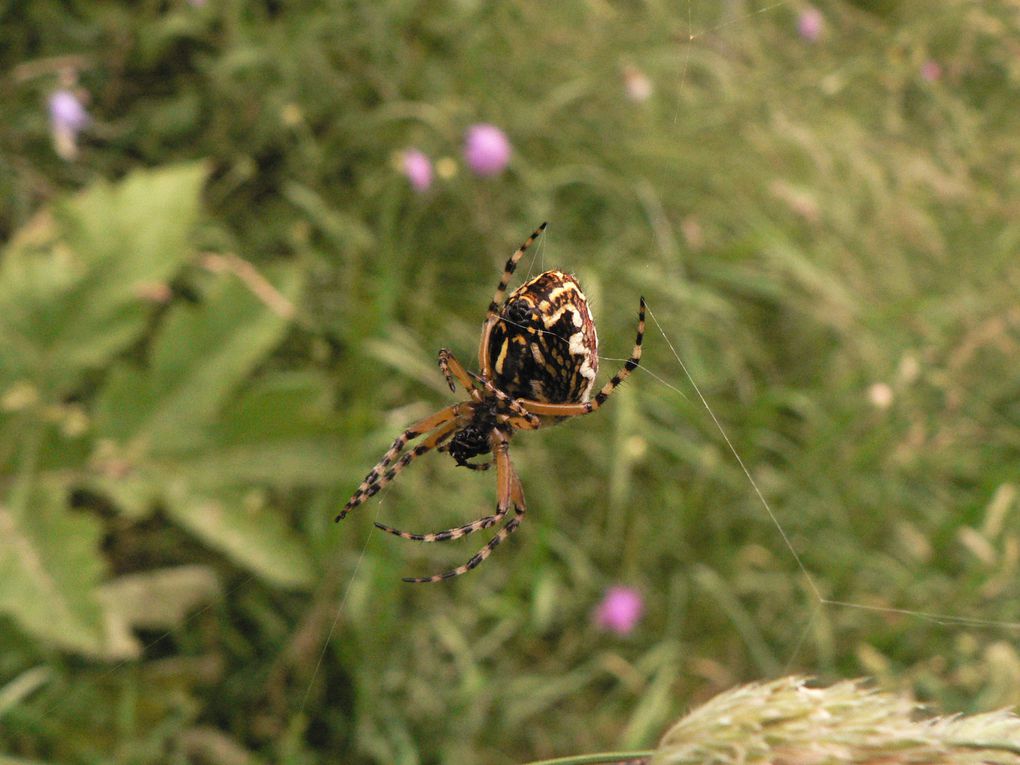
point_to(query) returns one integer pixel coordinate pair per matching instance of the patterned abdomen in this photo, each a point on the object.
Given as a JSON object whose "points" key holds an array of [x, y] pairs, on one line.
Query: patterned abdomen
{"points": [[543, 346]]}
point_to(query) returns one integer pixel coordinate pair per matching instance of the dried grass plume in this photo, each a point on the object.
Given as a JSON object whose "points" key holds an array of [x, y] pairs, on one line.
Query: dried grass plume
{"points": [[786, 722]]}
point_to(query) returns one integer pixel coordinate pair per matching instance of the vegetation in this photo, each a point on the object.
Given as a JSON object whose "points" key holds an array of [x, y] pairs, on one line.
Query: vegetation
{"points": [[786, 720], [224, 281]]}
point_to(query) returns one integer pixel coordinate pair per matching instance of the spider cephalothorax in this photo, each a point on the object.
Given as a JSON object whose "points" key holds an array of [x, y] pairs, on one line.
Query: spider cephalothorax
{"points": [[538, 358]]}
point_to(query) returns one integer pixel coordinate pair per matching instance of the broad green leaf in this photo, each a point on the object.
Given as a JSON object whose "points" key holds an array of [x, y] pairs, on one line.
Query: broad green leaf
{"points": [[284, 463], [49, 568], [72, 283], [127, 478], [254, 535], [157, 599], [281, 432], [201, 354], [281, 463]]}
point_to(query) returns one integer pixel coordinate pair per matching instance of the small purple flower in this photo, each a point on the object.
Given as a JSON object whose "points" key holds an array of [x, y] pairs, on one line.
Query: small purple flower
{"points": [[67, 118], [66, 111], [931, 70], [620, 610], [810, 24], [486, 149], [418, 169]]}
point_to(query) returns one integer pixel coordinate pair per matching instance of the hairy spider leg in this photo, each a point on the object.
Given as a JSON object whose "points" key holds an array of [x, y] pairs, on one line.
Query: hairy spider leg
{"points": [[452, 368], [587, 407], [533, 423], [450, 534], [368, 490], [530, 423], [446, 420], [510, 492], [410, 433], [493, 314]]}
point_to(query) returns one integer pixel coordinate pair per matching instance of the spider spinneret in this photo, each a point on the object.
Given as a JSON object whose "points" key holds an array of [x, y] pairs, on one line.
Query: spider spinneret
{"points": [[538, 358]]}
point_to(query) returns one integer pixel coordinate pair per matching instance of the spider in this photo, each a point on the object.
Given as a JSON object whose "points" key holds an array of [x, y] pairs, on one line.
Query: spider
{"points": [[538, 357]]}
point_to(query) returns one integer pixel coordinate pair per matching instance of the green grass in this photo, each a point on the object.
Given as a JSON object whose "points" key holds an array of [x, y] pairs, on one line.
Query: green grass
{"points": [[806, 221]]}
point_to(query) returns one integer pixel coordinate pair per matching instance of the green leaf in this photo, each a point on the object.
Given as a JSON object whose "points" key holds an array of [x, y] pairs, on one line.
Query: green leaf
{"points": [[72, 284], [176, 431], [254, 535], [281, 432], [201, 354], [291, 463], [49, 567], [158, 599]]}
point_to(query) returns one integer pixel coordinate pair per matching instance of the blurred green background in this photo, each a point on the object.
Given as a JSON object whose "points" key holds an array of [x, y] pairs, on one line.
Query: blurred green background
{"points": [[222, 300]]}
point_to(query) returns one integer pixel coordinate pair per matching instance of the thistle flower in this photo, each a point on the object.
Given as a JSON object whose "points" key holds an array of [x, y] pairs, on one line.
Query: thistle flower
{"points": [[418, 169], [810, 24], [486, 149], [67, 118], [931, 70], [620, 610]]}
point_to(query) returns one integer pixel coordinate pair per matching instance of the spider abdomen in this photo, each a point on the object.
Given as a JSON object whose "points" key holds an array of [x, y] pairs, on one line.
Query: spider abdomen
{"points": [[543, 346]]}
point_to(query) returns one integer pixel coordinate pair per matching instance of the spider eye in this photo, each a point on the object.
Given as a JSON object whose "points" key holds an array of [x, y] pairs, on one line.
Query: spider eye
{"points": [[519, 312]]}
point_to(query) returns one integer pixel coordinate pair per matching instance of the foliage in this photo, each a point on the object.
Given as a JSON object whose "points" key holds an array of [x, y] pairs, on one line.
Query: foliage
{"points": [[72, 291], [219, 310]]}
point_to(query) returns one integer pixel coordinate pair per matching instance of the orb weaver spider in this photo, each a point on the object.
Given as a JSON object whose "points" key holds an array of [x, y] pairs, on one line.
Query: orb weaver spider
{"points": [[538, 357]]}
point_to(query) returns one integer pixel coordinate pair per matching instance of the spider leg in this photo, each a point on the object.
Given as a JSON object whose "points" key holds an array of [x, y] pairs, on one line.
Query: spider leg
{"points": [[531, 422], [448, 534], [510, 492], [493, 314], [587, 407], [508, 271], [446, 420], [515, 404], [451, 368]]}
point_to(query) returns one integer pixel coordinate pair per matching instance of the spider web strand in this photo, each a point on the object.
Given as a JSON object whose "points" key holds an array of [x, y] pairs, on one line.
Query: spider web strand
{"points": [[740, 461]]}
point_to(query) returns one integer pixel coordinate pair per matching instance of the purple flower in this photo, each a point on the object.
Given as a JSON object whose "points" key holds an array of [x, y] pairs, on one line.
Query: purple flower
{"points": [[931, 70], [67, 118], [620, 610], [66, 111], [810, 24], [486, 149], [418, 169]]}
